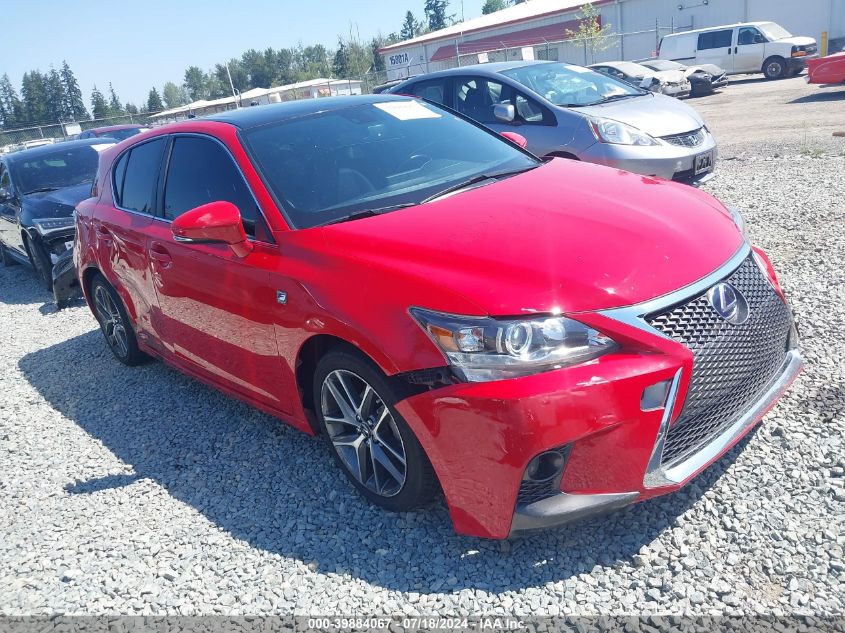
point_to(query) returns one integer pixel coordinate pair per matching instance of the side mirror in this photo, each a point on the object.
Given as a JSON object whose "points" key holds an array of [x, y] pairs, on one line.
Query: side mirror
{"points": [[504, 112], [519, 139], [5, 194], [215, 222]]}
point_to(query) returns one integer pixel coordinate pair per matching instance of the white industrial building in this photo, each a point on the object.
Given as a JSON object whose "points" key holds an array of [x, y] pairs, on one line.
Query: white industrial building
{"points": [[538, 29]]}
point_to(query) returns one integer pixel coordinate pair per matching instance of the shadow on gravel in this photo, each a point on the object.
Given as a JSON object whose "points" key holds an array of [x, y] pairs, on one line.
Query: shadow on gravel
{"points": [[825, 93], [278, 489], [20, 286]]}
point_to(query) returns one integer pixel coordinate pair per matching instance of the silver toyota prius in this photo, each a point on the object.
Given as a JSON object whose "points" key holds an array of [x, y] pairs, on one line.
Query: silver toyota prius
{"points": [[574, 112]]}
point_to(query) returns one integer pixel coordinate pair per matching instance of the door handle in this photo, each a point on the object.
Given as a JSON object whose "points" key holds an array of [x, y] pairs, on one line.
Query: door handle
{"points": [[159, 253]]}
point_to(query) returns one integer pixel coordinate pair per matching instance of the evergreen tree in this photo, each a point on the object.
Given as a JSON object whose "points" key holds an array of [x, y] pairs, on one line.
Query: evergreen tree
{"points": [[435, 14], [410, 27], [196, 83], [99, 106], [55, 105], [34, 97], [74, 104], [115, 109], [131, 108], [154, 103], [11, 108], [491, 6]]}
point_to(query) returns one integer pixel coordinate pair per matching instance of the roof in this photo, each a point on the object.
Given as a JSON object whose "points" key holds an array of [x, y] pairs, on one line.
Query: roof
{"points": [[44, 150], [521, 12], [246, 118], [489, 69], [721, 26]]}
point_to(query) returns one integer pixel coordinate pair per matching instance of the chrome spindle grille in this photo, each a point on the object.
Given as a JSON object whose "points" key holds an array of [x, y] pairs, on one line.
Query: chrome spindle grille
{"points": [[732, 364]]}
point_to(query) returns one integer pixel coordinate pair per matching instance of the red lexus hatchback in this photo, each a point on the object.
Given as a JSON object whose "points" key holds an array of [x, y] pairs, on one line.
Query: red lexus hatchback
{"points": [[541, 341]]}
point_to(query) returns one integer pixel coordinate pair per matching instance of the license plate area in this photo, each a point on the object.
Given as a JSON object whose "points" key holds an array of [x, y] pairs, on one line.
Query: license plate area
{"points": [[703, 163]]}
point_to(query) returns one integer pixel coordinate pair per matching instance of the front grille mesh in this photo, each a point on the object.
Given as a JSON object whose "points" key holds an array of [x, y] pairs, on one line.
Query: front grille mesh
{"points": [[687, 139], [732, 364]]}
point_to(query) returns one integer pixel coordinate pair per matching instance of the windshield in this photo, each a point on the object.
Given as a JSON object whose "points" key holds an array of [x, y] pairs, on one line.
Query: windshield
{"points": [[567, 85], [325, 166], [125, 133], [774, 31], [58, 169]]}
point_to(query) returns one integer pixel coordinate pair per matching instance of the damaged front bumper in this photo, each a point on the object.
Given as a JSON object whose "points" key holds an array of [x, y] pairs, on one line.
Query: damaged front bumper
{"points": [[66, 286]]}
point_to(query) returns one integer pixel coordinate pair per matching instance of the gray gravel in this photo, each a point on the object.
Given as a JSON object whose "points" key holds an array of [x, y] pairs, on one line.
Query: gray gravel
{"points": [[179, 500]]}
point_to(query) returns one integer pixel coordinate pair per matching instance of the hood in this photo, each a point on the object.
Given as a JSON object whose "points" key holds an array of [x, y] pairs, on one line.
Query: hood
{"points": [[671, 76], [56, 204], [654, 114], [568, 235], [797, 41], [712, 69]]}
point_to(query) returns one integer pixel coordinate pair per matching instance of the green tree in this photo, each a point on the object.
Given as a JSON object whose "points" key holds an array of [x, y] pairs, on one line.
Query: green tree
{"points": [[410, 27], [34, 97], [74, 104], [196, 83], [99, 106], [259, 67], [435, 14], [131, 108], [154, 103], [11, 108], [172, 95], [115, 109], [591, 32], [491, 6], [55, 97]]}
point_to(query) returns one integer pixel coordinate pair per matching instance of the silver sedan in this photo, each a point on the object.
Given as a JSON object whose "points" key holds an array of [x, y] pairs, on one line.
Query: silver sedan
{"points": [[574, 112]]}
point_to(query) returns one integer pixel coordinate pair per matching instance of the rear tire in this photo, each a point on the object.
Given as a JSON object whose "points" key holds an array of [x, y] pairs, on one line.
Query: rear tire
{"points": [[775, 68], [114, 323], [40, 262], [6, 258], [371, 442]]}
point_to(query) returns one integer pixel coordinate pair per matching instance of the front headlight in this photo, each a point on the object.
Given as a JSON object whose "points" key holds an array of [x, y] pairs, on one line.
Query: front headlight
{"points": [[738, 220], [48, 225], [481, 348], [616, 133]]}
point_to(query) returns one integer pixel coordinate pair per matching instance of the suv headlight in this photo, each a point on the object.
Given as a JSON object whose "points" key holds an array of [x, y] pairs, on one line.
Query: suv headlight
{"points": [[481, 348], [616, 133], [48, 225]]}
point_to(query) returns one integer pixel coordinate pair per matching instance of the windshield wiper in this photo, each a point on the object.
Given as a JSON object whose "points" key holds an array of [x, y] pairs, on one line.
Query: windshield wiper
{"points": [[619, 97], [478, 179], [367, 213], [41, 190]]}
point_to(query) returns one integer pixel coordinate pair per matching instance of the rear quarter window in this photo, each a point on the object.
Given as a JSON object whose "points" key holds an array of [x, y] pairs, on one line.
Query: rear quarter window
{"points": [[715, 39]]}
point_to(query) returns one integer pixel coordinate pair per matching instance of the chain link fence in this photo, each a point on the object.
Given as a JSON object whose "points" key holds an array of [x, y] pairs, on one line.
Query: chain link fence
{"points": [[11, 139]]}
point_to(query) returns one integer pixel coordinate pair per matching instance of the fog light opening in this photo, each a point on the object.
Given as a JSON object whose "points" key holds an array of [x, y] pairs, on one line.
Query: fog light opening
{"points": [[544, 467], [654, 397]]}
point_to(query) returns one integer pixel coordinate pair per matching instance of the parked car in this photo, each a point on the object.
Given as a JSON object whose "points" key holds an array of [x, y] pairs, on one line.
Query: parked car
{"points": [[37, 142], [704, 79], [38, 190], [750, 47], [117, 132], [387, 85], [672, 83], [826, 70], [574, 112], [542, 340]]}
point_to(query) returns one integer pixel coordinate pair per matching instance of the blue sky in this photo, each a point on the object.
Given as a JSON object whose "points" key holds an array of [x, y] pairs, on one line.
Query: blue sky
{"points": [[140, 45]]}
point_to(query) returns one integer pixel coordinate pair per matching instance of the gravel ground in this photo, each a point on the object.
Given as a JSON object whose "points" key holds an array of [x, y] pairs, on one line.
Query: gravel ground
{"points": [[179, 500]]}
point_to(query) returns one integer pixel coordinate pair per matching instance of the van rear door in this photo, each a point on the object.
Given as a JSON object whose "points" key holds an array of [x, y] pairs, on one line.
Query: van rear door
{"points": [[716, 47]]}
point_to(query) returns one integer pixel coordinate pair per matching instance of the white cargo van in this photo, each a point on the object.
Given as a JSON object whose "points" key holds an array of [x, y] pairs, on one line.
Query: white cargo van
{"points": [[752, 47]]}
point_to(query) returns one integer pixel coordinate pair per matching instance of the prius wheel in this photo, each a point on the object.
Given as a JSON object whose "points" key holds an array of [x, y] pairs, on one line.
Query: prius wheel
{"points": [[374, 446], [115, 324], [40, 262]]}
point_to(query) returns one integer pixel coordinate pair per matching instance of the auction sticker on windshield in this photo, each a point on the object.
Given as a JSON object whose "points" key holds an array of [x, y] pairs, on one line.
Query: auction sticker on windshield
{"points": [[407, 110]]}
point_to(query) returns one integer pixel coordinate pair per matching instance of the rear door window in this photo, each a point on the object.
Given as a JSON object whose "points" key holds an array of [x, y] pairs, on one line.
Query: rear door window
{"points": [[138, 183], [201, 171], [715, 39]]}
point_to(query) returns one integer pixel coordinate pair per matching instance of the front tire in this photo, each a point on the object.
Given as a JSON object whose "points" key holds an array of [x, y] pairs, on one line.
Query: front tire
{"points": [[40, 262], [775, 68], [115, 324], [371, 442]]}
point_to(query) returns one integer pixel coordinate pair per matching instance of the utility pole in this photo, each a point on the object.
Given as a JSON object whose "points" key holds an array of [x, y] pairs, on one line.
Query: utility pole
{"points": [[232, 86]]}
